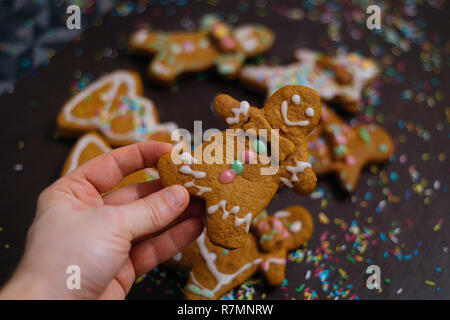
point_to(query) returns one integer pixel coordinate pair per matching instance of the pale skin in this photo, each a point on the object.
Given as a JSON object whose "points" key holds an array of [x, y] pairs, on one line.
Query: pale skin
{"points": [[113, 238]]}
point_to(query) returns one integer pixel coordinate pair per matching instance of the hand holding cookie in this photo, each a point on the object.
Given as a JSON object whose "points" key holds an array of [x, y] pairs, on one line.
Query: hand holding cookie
{"points": [[109, 226]]}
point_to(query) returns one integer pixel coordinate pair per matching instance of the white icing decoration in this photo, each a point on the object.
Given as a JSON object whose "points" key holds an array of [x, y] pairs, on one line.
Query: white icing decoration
{"points": [[295, 99], [243, 109], [299, 167], [309, 112], [144, 120], [284, 109], [152, 172], [187, 158], [235, 210], [296, 226], [244, 35], [266, 263], [306, 73], [141, 36], [247, 219], [116, 78], [178, 256], [186, 169], [81, 145], [160, 68], [287, 182], [282, 214], [201, 189], [210, 258]]}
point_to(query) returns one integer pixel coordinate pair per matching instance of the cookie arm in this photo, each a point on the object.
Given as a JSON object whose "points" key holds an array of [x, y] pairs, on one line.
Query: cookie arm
{"points": [[297, 172], [285, 146], [232, 112], [273, 267], [144, 41]]}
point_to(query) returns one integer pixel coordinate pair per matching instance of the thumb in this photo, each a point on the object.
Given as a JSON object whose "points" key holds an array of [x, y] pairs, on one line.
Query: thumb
{"points": [[154, 212]]}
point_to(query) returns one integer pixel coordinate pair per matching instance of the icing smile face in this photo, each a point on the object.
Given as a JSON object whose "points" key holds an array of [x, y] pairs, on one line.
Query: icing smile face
{"points": [[309, 112], [297, 112]]}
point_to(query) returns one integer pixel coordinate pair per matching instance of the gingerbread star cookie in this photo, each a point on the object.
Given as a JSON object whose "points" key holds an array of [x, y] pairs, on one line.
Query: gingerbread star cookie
{"points": [[215, 44], [114, 106], [92, 145], [238, 171], [344, 150], [339, 79], [214, 270]]}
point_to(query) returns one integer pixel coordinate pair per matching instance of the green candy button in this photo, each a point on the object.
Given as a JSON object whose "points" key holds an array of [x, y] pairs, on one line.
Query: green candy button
{"points": [[237, 167], [259, 146]]}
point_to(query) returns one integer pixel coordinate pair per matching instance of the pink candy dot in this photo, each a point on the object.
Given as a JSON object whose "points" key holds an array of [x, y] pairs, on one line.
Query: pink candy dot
{"points": [[247, 156], [350, 160], [341, 139], [227, 176]]}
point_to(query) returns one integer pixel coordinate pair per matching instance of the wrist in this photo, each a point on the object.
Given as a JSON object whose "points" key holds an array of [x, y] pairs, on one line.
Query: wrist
{"points": [[22, 286], [28, 285]]}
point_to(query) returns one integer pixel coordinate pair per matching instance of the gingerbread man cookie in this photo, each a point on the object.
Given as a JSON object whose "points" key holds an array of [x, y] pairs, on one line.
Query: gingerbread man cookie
{"points": [[114, 105], [237, 177], [214, 270], [215, 44], [91, 145], [339, 79], [338, 148]]}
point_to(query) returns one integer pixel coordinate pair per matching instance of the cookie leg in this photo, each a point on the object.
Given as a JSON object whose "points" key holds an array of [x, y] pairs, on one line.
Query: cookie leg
{"points": [[194, 291], [229, 64], [164, 68], [273, 267], [348, 175]]}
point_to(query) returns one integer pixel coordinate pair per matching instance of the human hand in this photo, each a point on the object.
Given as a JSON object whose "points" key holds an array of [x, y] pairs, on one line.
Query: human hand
{"points": [[112, 238]]}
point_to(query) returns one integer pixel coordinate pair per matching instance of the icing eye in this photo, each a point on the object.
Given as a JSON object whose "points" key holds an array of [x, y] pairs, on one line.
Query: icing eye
{"points": [[296, 99], [296, 226], [309, 112]]}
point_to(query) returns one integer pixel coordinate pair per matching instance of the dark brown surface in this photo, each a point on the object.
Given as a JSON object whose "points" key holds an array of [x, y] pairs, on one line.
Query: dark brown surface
{"points": [[28, 114]]}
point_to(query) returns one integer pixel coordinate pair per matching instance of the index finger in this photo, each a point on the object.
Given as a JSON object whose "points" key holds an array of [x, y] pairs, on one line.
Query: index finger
{"points": [[105, 171]]}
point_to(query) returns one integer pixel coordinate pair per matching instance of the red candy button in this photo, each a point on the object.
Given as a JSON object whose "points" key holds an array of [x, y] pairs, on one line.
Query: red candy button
{"points": [[227, 176], [247, 156]]}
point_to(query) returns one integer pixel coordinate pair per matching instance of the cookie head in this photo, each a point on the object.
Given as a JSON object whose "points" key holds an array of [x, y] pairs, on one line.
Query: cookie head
{"points": [[286, 229], [253, 39], [295, 110]]}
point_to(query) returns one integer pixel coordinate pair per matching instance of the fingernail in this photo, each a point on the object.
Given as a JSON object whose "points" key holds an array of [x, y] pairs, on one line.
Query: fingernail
{"points": [[176, 196]]}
